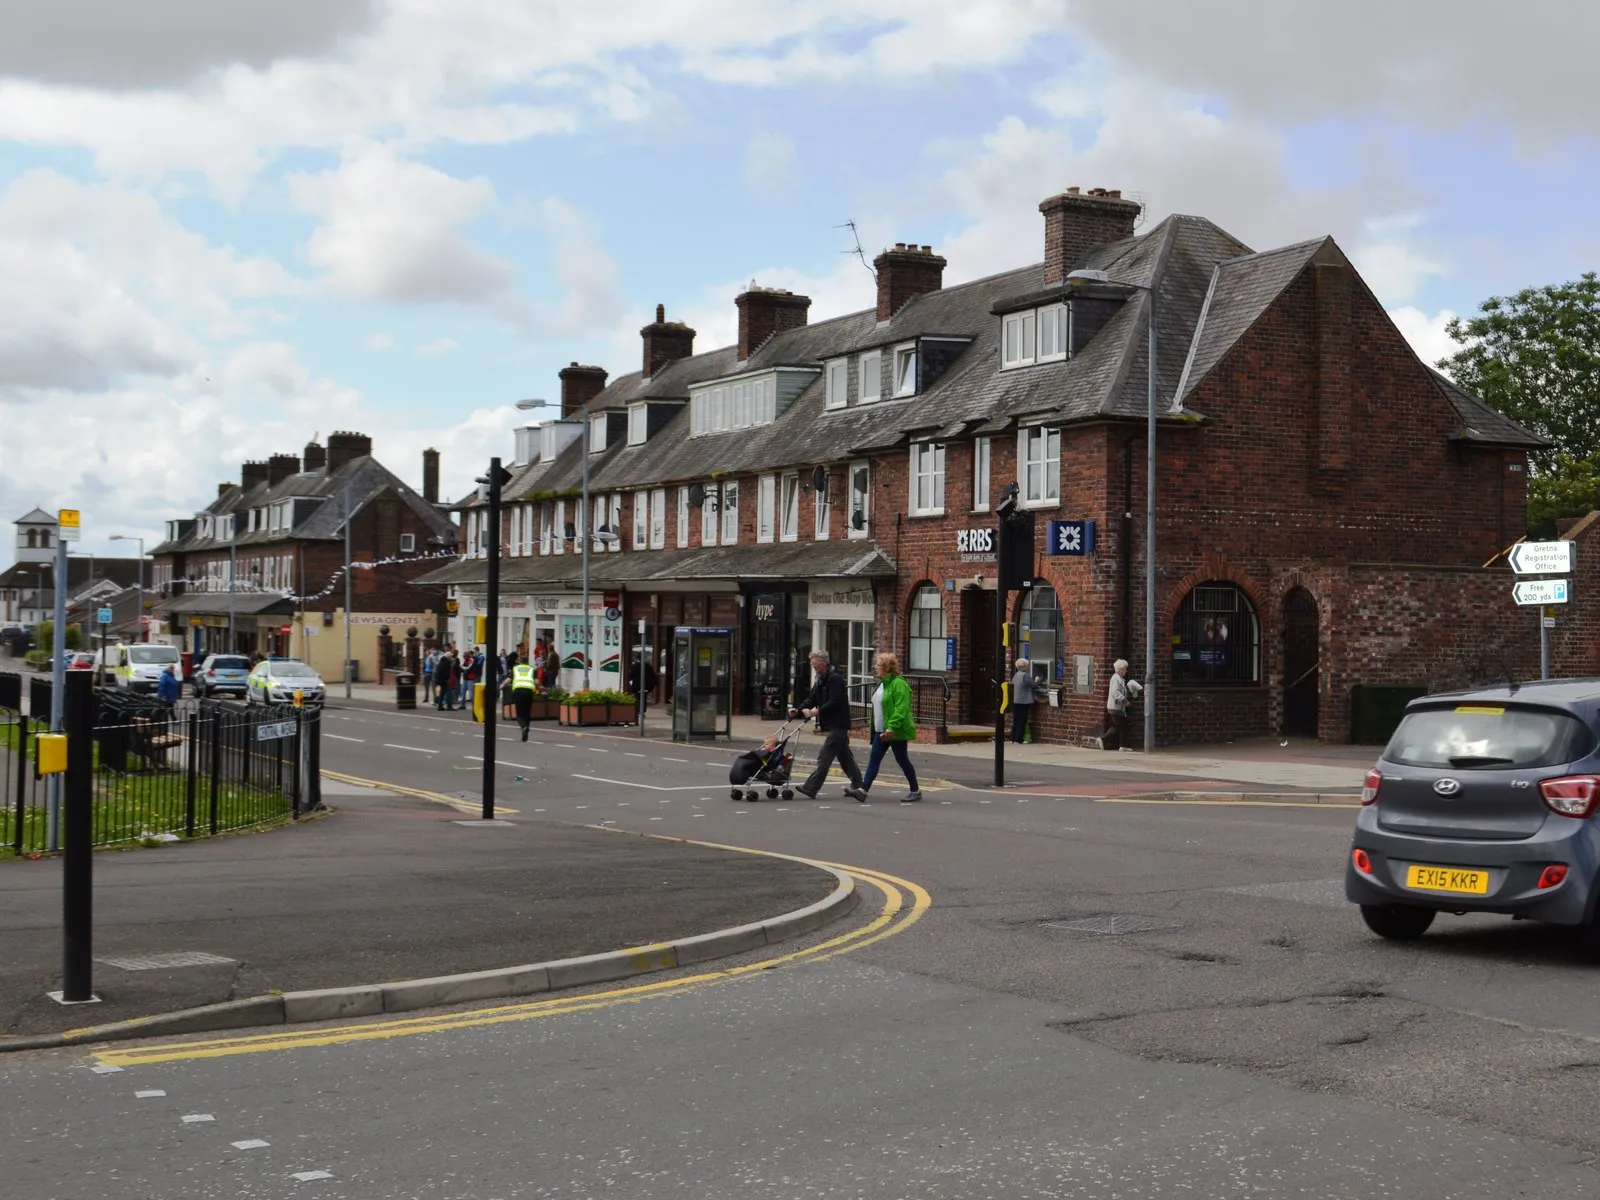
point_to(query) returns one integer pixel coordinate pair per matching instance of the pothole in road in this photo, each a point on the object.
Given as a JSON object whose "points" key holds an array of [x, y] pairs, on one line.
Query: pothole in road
{"points": [[1113, 924]]}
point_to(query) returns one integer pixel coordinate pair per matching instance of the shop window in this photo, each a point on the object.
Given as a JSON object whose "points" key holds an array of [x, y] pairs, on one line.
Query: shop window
{"points": [[862, 679], [927, 630], [1040, 627], [1216, 638]]}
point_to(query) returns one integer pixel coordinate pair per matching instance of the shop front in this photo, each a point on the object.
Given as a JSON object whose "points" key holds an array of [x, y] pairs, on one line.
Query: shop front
{"points": [[843, 615], [778, 643], [532, 624]]}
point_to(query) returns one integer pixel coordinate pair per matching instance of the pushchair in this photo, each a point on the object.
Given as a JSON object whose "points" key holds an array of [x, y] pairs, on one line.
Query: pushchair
{"points": [[766, 766]]}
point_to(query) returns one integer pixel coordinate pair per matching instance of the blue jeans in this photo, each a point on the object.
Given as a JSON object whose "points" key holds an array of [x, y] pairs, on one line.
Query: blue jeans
{"points": [[879, 749]]}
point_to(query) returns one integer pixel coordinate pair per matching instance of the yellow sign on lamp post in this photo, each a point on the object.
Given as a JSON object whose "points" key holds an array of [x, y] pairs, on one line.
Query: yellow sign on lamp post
{"points": [[67, 525]]}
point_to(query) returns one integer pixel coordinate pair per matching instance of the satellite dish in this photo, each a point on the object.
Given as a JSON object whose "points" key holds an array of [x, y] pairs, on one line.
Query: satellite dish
{"points": [[697, 495], [858, 519], [819, 478]]}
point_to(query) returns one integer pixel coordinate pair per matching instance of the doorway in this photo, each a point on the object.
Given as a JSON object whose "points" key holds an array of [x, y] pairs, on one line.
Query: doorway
{"points": [[1302, 667], [978, 634]]}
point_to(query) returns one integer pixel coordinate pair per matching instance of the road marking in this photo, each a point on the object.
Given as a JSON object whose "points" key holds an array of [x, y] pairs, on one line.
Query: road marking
{"points": [[417, 749], [250, 1144], [501, 762], [691, 787], [1346, 808], [105, 1070], [339, 737], [149, 1094], [894, 917], [634, 754], [682, 760], [198, 1118], [308, 1176], [454, 802]]}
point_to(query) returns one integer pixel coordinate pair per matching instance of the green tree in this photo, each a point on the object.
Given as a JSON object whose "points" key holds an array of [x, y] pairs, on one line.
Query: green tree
{"points": [[1535, 356]]}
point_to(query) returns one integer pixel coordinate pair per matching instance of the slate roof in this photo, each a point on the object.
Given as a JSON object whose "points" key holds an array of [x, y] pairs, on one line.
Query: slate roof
{"points": [[37, 517], [242, 604], [1480, 423]]}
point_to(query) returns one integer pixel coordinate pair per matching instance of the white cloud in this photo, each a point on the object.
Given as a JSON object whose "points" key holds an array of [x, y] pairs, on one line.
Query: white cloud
{"points": [[435, 348], [1425, 332], [379, 341], [1389, 260], [591, 291], [771, 163]]}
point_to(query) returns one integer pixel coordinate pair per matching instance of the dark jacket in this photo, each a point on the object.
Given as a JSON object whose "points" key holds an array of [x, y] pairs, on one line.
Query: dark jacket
{"points": [[168, 687], [831, 700]]}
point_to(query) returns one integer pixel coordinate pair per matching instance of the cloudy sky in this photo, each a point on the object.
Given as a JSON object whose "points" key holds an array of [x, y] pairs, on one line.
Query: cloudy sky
{"points": [[227, 227]]}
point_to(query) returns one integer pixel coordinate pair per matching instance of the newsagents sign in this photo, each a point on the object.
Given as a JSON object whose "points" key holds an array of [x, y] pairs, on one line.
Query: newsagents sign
{"points": [[841, 601]]}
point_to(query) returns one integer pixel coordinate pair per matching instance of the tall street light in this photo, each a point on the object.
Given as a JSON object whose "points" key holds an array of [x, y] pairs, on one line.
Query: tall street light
{"points": [[594, 530], [1081, 279], [128, 537]]}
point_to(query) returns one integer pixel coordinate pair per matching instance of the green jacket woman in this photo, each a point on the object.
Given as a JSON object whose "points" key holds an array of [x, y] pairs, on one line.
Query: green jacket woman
{"points": [[893, 728]]}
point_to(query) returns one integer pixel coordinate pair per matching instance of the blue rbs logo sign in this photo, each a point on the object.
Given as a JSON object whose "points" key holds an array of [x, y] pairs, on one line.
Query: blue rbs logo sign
{"points": [[1070, 539]]}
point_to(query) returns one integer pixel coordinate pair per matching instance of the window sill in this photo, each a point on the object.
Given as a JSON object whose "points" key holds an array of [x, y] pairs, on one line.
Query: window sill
{"points": [[923, 514], [1039, 504]]}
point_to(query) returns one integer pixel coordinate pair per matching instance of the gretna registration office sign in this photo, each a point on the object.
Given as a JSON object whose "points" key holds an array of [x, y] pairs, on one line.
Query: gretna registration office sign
{"points": [[976, 545], [841, 601]]}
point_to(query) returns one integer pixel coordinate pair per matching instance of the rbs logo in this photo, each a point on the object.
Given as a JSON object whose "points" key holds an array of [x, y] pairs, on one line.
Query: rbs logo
{"points": [[975, 541]]}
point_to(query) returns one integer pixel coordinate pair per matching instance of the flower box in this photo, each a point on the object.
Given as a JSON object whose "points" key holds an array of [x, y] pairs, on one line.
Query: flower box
{"points": [[584, 714]]}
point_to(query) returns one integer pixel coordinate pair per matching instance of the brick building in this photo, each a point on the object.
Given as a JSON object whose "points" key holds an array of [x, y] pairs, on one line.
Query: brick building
{"points": [[1330, 509], [261, 569]]}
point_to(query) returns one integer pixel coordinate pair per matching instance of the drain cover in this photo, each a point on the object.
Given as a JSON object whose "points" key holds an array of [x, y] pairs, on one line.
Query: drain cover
{"points": [[157, 962], [1113, 924]]}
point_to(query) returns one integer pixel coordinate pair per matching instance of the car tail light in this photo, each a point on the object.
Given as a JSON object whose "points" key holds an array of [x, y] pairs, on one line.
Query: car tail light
{"points": [[1571, 795], [1362, 860], [212, 672], [1550, 876], [1369, 788]]}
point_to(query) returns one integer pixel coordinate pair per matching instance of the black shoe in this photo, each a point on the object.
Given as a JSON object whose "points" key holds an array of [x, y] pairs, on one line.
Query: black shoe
{"points": [[524, 735], [911, 797], [801, 791], [858, 794]]}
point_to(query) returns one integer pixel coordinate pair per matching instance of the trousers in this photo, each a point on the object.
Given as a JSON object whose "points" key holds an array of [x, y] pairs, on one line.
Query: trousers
{"points": [[879, 749], [1019, 720], [835, 745], [522, 701]]}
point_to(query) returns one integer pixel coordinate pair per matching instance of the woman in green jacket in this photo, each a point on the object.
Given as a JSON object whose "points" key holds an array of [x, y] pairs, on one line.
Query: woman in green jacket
{"points": [[892, 728]]}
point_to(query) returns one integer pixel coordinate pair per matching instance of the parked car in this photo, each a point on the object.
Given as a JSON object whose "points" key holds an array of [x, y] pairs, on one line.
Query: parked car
{"points": [[80, 660], [228, 673], [17, 640], [276, 680], [1484, 801]]}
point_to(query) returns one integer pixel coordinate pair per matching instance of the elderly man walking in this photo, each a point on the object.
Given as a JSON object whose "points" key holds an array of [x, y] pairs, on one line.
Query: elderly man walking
{"points": [[829, 703]]}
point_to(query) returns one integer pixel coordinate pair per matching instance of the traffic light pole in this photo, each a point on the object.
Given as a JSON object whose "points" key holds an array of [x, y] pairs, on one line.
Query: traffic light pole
{"points": [[491, 637]]}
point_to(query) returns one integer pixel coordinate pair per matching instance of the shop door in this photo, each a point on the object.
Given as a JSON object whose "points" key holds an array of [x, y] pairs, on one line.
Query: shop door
{"points": [[768, 668], [838, 647], [978, 634], [1301, 664]]}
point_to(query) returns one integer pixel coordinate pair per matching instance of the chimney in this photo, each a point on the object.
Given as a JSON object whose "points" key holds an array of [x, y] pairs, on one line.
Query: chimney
{"points": [[252, 474], [1077, 222], [224, 488], [314, 456], [430, 475], [344, 447], [905, 273], [764, 312], [280, 467], [665, 342], [581, 384]]}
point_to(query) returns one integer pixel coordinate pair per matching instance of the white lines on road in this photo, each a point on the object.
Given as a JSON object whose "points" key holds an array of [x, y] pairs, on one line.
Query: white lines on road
{"points": [[417, 749], [250, 1144], [149, 1094], [339, 737], [634, 754], [501, 762], [198, 1118], [693, 787], [666, 759], [596, 750], [105, 1070], [308, 1176]]}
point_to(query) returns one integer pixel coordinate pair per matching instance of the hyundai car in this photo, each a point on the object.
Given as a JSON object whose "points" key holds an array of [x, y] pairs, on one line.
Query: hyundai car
{"points": [[1483, 801]]}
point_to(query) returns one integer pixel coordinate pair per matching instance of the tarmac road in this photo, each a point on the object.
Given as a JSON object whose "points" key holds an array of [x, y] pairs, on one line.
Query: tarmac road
{"points": [[1104, 999]]}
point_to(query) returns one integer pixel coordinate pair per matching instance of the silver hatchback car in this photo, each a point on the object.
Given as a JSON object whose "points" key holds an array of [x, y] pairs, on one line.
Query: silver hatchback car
{"points": [[1484, 801]]}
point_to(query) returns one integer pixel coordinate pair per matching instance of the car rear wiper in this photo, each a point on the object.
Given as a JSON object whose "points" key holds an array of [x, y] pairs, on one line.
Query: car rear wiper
{"points": [[1479, 760]]}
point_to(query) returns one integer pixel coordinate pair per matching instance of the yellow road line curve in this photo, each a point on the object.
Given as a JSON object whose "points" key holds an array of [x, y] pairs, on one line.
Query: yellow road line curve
{"points": [[893, 918], [454, 802]]}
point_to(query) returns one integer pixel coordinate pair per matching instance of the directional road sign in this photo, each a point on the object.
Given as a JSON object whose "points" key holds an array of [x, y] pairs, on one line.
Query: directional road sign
{"points": [[104, 617], [1540, 591], [1541, 558]]}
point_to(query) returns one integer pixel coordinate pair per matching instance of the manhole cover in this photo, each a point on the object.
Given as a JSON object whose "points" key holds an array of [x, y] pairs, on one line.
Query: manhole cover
{"points": [[157, 962], [1113, 924]]}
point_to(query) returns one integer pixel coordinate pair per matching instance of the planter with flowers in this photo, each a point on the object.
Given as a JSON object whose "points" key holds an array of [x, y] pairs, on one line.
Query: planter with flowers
{"points": [[597, 706]]}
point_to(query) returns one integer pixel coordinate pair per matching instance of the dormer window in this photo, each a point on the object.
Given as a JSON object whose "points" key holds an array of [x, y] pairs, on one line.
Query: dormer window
{"points": [[1017, 339], [870, 375], [905, 370], [597, 433], [837, 383], [638, 424], [1034, 336]]}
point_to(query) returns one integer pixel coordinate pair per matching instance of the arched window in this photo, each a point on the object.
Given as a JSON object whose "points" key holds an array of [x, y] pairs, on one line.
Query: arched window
{"points": [[1041, 637], [927, 630], [44, 539], [33, 539], [1216, 638]]}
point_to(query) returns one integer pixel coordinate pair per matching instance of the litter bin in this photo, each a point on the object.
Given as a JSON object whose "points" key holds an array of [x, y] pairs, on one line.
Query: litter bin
{"points": [[405, 690]]}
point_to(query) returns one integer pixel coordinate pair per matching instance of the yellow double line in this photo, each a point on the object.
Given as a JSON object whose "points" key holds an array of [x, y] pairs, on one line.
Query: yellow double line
{"points": [[904, 903]]}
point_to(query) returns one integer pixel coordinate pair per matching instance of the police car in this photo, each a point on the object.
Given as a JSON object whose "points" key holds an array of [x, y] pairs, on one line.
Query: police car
{"points": [[137, 668], [276, 681]]}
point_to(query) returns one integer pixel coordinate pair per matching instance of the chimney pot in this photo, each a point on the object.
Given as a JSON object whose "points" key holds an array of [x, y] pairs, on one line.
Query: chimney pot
{"points": [[766, 312], [661, 314], [904, 273], [252, 474], [665, 342], [430, 475], [579, 385], [314, 457], [1076, 223], [345, 446], [281, 466]]}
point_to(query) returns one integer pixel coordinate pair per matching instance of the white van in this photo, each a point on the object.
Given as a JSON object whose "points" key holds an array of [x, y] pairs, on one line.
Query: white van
{"points": [[136, 668]]}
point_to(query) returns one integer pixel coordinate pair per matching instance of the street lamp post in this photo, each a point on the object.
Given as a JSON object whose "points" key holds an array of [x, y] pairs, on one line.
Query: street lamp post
{"points": [[128, 537], [1100, 277]]}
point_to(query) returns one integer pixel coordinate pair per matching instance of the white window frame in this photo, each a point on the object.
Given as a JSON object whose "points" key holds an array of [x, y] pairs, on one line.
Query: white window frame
{"points": [[683, 517], [638, 424], [1053, 317], [1018, 339], [558, 537], [901, 354], [544, 527], [516, 531], [710, 514], [597, 433], [836, 383], [766, 507], [789, 507], [926, 478], [408, 543], [869, 371], [1039, 466], [658, 519], [730, 513], [528, 513], [981, 453], [615, 522], [641, 520], [821, 513], [859, 468]]}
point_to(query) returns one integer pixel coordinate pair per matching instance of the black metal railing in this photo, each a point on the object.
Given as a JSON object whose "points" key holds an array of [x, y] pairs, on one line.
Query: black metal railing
{"points": [[165, 771]]}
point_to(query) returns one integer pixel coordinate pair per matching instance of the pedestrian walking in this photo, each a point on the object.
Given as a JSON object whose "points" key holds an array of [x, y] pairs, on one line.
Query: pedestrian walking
{"points": [[1022, 699], [508, 663], [1122, 690], [522, 687], [441, 680], [893, 728], [169, 687], [644, 678], [430, 663], [829, 703]]}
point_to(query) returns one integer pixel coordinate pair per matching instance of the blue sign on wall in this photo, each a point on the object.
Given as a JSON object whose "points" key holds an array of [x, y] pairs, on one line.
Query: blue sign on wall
{"points": [[1071, 539], [949, 654]]}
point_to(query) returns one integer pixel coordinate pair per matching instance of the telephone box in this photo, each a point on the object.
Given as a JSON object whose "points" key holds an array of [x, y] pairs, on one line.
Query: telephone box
{"points": [[702, 695]]}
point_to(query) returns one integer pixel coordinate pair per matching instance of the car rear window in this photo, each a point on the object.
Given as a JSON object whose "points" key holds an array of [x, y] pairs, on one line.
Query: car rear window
{"points": [[230, 663], [1488, 737]]}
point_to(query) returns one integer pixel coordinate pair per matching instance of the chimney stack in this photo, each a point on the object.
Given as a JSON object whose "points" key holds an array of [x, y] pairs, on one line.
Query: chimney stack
{"points": [[252, 474], [314, 456], [224, 488], [344, 447], [1077, 222], [280, 467], [665, 342], [430, 475], [764, 312], [581, 384], [904, 273]]}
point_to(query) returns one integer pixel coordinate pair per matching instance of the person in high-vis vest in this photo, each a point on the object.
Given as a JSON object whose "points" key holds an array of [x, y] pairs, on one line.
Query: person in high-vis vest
{"points": [[522, 685]]}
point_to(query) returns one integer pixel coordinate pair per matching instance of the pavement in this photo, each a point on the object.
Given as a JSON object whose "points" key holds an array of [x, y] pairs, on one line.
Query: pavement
{"points": [[382, 887]]}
